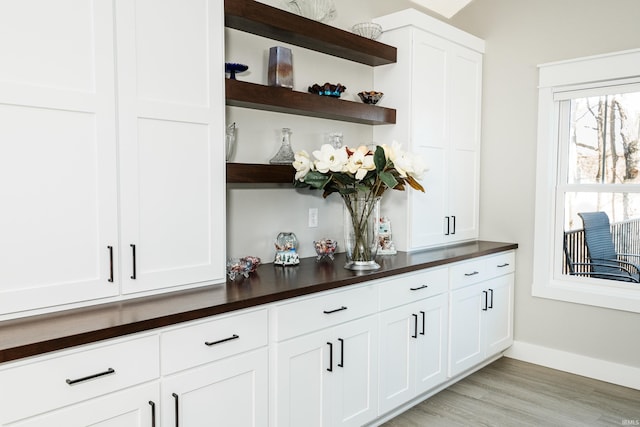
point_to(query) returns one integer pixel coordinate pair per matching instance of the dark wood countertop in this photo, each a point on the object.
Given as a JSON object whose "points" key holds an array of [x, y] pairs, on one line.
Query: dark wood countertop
{"points": [[30, 336]]}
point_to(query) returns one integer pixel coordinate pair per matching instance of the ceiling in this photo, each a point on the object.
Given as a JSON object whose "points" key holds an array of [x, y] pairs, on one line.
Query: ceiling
{"points": [[446, 8]]}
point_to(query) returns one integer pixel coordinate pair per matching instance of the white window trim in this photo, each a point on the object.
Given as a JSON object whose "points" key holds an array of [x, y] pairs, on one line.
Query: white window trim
{"points": [[574, 74]]}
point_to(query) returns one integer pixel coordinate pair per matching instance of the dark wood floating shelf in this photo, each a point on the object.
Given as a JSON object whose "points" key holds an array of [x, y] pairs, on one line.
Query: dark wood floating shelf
{"points": [[249, 173], [267, 21], [282, 100]]}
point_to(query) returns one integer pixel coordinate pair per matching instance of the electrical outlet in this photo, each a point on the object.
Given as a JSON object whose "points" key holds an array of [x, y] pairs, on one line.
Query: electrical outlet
{"points": [[313, 217]]}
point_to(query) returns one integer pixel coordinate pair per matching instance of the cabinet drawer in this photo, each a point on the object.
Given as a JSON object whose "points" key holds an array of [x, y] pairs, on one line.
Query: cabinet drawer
{"points": [[215, 339], [503, 263], [467, 273], [55, 381], [322, 311], [412, 287]]}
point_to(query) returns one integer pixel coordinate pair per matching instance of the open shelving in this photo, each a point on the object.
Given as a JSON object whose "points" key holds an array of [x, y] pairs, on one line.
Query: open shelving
{"points": [[267, 21]]}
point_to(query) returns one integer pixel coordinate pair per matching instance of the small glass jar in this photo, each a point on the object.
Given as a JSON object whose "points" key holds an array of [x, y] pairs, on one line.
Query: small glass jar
{"points": [[286, 249]]}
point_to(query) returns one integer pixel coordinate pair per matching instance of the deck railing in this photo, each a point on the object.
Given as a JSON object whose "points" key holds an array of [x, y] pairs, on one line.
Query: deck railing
{"points": [[626, 239]]}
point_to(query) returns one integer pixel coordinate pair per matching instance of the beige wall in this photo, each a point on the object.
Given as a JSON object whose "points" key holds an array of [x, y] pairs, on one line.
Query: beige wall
{"points": [[519, 35]]}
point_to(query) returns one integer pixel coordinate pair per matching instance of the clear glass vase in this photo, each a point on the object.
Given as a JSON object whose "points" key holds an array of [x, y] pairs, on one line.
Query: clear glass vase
{"points": [[361, 216]]}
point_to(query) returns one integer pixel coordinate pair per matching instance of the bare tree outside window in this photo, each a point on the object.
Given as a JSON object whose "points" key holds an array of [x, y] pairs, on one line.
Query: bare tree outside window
{"points": [[603, 169]]}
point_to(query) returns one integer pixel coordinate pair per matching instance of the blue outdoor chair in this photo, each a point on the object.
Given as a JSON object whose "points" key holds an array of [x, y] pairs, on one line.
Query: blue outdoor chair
{"points": [[605, 262]]}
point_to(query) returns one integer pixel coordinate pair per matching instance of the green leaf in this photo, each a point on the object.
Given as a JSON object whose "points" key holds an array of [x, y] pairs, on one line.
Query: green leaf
{"points": [[316, 179], [363, 188], [388, 179], [347, 190], [379, 159], [344, 178]]}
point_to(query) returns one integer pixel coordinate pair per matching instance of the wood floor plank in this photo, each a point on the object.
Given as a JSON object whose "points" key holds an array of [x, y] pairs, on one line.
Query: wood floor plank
{"points": [[509, 392]]}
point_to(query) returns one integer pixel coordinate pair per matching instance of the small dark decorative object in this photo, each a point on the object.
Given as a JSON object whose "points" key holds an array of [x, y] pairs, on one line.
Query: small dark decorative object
{"points": [[232, 68], [328, 89], [370, 97]]}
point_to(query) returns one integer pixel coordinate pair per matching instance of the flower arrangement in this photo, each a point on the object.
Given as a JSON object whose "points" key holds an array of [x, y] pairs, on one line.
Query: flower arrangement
{"points": [[360, 176], [361, 170]]}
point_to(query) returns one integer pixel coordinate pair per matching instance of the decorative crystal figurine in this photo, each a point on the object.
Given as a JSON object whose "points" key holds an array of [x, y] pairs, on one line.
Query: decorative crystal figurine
{"points": [[285, 155], [335, 139]]}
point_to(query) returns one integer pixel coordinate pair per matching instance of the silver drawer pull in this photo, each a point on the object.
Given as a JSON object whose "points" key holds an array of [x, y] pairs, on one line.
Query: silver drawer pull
{"points": [[419, 287], [335, 311], [233, 337], [90, 377], [471, 274], [506, 264]]}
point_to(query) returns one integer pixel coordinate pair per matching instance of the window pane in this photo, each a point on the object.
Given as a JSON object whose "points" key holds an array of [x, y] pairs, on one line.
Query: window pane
{"points": [[623, 236], [604, 134]]}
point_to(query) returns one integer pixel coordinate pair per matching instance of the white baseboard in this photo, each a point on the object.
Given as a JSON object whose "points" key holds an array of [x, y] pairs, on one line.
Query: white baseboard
{"points": [[615, 373]]}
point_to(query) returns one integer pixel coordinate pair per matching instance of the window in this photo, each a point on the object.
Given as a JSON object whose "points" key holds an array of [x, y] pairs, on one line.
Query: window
{"points": [[589, 161]]}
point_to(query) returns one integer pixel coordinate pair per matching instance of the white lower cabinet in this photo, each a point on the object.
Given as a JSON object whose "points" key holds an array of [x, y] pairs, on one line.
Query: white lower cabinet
{"points": [[413, 345], [136, 407], [106, 384], [329, 377], [231, 392], [481, 316], [216, 372]]}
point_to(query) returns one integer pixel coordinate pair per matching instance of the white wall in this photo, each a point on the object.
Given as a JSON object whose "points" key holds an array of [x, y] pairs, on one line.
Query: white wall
{"points": [[519, 35]]}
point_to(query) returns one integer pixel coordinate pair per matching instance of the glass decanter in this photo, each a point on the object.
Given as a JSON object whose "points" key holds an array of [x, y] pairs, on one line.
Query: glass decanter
{"points": [[285, 155]]}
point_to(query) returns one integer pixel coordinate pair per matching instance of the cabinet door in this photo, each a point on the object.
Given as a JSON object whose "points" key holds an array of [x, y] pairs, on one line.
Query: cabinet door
{"points": [[397, 368], [429, 136], [355, 380], [232, 392], [136, 407], [304, 366], [431, 345], [171, 133], [499, 317], [58, 153], [464, 97], [466, 334]]}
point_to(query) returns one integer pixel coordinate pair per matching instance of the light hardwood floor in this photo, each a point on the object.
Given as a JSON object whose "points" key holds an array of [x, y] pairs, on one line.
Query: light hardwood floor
{"points": [[509, 392]]}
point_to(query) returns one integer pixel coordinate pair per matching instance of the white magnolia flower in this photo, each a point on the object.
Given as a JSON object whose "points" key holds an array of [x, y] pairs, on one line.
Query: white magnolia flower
{"points": [[361, 162], [419, 167], [302, 164], [330, 159], [394, 151]]}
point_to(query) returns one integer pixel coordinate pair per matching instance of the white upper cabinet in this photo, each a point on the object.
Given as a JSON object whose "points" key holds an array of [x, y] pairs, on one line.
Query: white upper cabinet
{"points": [[58, 220], [436, 86], [171, 121], [112, 116]]}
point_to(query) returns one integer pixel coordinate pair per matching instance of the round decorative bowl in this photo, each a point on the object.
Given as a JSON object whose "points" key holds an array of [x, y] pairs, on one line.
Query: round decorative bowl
{"points": [[325, 248], [370, 97], [370, 30], [328, 89]]}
